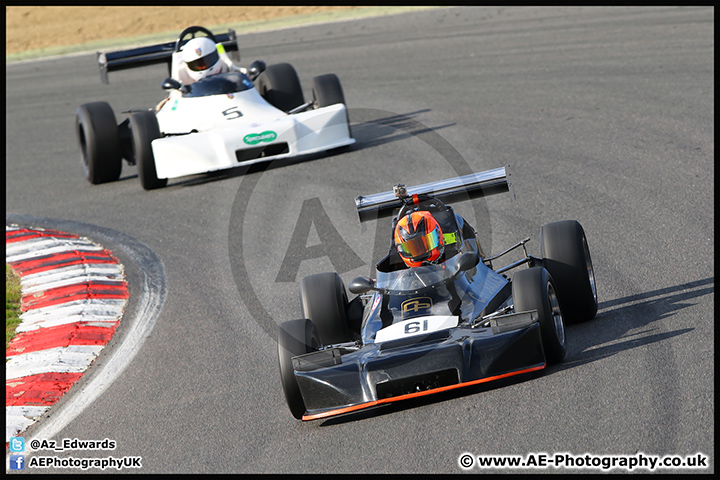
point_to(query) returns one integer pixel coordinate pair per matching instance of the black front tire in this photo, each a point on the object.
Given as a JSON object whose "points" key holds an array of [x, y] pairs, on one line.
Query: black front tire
{"points": [[97, 134], [144, 129], [327, 91], [324, 301], [296, 337], [566, 256], [280, 86], [534, 289]]}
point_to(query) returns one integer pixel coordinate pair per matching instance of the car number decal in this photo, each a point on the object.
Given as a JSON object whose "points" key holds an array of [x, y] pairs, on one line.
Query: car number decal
{"points": [[232, 113], [416, 326]]}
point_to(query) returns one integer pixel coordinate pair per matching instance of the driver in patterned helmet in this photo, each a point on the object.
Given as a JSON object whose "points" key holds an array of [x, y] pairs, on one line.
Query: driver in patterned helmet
{"points": [[419, 239], [202, 59]]}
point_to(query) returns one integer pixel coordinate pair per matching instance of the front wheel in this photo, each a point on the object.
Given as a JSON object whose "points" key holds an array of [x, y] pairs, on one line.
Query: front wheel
{"points": [[326, 90], [566, 256], [144, 129], [534, 289], [324, 301], [280, 86], [296, 337], [97, 134]]}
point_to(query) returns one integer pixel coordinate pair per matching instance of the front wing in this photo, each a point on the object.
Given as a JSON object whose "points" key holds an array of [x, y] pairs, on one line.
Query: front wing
{"points": [[244, 144], [334, 382]]}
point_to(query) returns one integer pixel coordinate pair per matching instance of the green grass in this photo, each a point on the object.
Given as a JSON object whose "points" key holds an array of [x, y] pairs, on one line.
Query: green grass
{"points": [[13, 295]]}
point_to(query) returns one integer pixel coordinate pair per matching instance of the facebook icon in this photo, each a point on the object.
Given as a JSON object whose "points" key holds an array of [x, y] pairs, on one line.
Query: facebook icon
{"points": [[17, 462]]}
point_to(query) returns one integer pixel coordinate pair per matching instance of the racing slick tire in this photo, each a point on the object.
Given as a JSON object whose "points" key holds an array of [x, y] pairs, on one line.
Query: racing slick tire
{"points": [[326, 90], [97, 133], [324, 301], [534, 289], [280, 86], [566, 256], [295, 337], [144, 129]]}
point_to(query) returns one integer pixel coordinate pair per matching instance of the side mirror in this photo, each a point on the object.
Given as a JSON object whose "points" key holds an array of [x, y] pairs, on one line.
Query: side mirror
{"points": [[256, 68], [171, 84], [466, 261], [361, 285]]}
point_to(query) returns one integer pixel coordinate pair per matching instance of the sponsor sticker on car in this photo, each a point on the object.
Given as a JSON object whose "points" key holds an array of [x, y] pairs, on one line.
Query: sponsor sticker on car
{"points": [[255, 138]]}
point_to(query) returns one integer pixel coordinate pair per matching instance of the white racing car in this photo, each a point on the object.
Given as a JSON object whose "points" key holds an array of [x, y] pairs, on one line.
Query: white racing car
{"points": [[230, 119]]}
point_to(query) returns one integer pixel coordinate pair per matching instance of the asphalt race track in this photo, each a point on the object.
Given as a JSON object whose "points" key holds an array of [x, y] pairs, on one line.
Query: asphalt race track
{"points": [[605, 115]]}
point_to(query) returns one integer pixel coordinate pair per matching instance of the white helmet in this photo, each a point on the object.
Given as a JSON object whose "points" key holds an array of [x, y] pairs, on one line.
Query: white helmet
{"points": [[201, 57]]}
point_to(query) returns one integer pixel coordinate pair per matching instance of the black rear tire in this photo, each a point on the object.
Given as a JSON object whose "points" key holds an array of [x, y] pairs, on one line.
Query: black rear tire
{"points": [[324, 301], [566, 256], [97, 134], [534, 289], [296, 337], [144, 129], [280, 86]]}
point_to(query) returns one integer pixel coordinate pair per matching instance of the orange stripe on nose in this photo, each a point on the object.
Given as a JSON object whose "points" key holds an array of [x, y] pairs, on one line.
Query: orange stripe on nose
{"points": [[361, 406]]}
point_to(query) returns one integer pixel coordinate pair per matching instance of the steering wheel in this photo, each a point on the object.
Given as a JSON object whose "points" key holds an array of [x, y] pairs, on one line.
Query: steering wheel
{"points": [[192, 31]]}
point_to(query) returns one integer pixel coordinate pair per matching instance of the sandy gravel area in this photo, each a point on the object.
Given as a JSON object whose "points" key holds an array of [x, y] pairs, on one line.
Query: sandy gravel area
{"points": [[30, 28]]}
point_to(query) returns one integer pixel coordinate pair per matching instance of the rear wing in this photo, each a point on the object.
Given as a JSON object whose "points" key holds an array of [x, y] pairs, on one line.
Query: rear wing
{"points": [[153, 54], [466, 187]]}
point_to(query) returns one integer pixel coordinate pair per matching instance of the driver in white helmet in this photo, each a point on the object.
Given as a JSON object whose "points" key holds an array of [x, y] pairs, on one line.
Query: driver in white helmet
{"points": [[200, 59]]}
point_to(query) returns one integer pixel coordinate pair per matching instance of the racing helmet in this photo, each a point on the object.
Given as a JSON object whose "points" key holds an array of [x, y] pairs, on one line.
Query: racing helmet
{"points": [[419, 239], [201, 58]]}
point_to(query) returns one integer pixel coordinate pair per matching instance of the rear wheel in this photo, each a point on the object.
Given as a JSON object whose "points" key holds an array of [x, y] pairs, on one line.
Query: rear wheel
{"points": [[534, 289], [324, 301], [144, 129], [280, 86], [566, 256], [296, 337], [97, 133]]}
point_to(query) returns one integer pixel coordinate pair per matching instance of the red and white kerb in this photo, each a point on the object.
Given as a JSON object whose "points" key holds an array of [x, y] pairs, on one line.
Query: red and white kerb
{"points": [[73, 296]]}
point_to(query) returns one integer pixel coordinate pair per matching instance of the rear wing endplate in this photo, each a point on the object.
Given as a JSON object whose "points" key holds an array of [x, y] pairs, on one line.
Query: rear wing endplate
{"points": [[151, 55], [466, 187]]}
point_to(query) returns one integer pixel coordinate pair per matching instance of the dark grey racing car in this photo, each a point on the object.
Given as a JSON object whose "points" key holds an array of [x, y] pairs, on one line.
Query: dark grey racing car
{"points": [[416, 331]]}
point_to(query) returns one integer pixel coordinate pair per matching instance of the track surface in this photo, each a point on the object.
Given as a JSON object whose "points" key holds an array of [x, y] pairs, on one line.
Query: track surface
{"points": [[605, 116]]}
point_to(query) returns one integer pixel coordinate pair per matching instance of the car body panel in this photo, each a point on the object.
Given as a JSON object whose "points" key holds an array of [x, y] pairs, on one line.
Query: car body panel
{"points": [[392, 371], [235, 128]]}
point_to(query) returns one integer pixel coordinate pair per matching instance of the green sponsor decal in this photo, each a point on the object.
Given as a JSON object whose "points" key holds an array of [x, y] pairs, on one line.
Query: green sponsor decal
{"points": [[255, 138]]}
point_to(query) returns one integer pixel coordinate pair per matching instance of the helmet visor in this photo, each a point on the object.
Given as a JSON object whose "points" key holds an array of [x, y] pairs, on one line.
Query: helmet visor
{"points": [[420, 246], [204, 63]]}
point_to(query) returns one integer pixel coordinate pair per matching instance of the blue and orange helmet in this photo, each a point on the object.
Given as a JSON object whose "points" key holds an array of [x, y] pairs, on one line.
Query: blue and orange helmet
{"points": [[419, 239]]}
